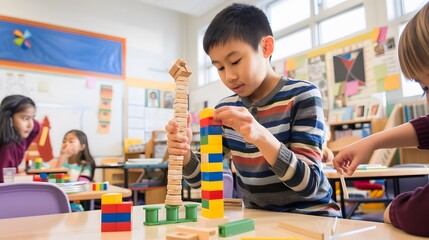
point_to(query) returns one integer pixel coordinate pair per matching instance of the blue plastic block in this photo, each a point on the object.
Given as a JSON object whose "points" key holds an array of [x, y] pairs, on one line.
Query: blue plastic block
{"points": [[123, 217], [211, 130], [212, 176], [108, 217]]}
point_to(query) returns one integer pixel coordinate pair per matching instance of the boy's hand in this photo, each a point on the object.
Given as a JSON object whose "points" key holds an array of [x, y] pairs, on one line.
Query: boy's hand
{"points": [[240, 119], [178, 144]]}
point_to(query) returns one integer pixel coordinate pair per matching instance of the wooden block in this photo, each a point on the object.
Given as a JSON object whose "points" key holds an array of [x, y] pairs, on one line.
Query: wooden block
{"points": [[306, 231], [182, 236], [203, 233], [211, 222]]}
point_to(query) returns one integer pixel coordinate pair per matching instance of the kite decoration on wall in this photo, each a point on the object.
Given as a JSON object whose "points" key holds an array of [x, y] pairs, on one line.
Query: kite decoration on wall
{"points": [[22, 38]]}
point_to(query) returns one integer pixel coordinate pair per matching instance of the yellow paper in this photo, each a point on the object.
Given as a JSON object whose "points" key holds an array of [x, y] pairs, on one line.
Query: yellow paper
{"points": [[392, 82], [300, 61], [375, 34], [290, 64], [380, 71], [337, 87]]}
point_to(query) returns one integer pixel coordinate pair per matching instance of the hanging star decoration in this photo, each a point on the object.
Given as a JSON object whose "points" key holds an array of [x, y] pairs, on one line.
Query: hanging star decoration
{"points": [[22, 39]]}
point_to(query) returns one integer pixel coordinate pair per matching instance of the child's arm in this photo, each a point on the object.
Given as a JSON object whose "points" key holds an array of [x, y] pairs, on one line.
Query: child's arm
{"points": [[349, 158], [409, 212], [244, 123]]}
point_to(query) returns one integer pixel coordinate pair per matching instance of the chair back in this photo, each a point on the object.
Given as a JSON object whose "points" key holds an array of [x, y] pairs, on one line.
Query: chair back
{"points": [[25, 199], [228, 183]]}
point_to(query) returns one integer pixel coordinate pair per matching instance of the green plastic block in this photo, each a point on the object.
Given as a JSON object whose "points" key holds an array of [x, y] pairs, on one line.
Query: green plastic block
{"points": [[236, 227]]}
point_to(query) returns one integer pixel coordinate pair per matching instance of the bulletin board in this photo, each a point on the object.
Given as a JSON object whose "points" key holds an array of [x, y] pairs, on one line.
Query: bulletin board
{"points": [[352, 72], [73, 102]]}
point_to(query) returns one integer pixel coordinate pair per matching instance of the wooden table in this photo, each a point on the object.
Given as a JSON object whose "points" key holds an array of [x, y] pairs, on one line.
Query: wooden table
{"points": [[87, 225], [388, 173], [47, 170], [91, 195]]}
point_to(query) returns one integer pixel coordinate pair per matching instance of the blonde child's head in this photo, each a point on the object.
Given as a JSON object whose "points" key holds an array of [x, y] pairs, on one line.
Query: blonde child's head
{"points": [[413, 48]]}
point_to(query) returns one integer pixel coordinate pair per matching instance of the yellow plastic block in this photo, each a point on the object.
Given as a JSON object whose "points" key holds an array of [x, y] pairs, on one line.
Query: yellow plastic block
{"points": [[111, 198], [211, 186], [215, 139], [211, 167], [216, 209], [206, 112], [213, 148]]}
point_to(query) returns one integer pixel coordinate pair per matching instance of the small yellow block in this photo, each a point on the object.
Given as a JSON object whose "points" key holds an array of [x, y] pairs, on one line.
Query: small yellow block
{"points": [[206, 112], [216, 209], [211, 167], [211, 186], [213, 148], [215, 139], [111, 198]]}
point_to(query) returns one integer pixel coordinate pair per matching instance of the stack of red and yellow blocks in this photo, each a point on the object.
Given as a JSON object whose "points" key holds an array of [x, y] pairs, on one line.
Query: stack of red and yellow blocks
{"points": [[115, 214]]}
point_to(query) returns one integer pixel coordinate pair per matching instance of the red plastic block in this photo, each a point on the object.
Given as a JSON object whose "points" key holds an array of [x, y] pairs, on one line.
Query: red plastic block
{"points": [[108, 227], [209, 122], [124, 207], [209, 195], [109, 208], [123, 226]]}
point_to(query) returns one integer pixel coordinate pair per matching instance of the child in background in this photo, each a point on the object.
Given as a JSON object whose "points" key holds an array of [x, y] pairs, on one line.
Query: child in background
{"points": [[273, 126], [17, 130], [409, 210], [76, 157]]}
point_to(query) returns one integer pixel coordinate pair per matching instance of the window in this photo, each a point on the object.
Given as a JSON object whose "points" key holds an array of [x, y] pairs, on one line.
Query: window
{"points": [[331, 3], [292, 44], [342, 25], [412, 5], [208, 73], [288, 12], [409, 88]]}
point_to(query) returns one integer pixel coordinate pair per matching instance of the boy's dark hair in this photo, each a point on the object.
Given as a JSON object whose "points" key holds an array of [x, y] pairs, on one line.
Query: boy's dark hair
{"points": [[237, 22], [10, 105], [85, 158]]}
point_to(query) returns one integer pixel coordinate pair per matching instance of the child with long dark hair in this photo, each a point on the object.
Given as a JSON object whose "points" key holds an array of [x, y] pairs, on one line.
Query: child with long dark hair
{"points": [[17, 130], [75, 156]]}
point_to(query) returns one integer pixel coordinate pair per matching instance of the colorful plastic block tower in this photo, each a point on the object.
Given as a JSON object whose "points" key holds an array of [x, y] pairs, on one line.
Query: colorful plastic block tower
{"points": [[100, 186], [115, 214], [211, 168], [172, 214]]}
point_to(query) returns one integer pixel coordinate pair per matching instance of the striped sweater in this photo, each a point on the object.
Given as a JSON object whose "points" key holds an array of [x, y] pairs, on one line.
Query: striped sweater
{"points": [[293, 113]]}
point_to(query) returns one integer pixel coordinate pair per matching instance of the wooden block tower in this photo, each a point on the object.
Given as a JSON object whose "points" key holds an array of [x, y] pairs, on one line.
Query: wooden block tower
{"points": [[212, 203], [115, 214], [180, 72]]}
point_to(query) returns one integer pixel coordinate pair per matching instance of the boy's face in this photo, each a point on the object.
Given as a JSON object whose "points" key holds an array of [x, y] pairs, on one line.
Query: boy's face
{"points": [[240, 67]]}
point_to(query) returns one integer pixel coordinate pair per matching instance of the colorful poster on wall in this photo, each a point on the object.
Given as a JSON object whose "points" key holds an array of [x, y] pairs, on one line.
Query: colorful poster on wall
{"points": [[350, 66], [317, 75], [104, 114]]}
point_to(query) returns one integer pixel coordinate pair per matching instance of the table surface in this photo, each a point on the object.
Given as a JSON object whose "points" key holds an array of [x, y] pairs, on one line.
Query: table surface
{"points": [[379, 173], [91, 195], [87, 225]]}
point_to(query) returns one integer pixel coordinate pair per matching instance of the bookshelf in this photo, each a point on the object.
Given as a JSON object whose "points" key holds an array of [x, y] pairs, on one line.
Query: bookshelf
{"points": [[346, 132]]}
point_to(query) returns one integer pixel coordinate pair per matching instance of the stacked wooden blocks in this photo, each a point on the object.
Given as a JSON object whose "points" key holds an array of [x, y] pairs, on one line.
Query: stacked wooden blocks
{"points": [[115, 214], [211, 169], [180, 72]]}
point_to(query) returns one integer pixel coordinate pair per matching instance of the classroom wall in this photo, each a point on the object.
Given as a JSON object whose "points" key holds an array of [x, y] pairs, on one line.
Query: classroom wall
{"points": [[154, 36]]}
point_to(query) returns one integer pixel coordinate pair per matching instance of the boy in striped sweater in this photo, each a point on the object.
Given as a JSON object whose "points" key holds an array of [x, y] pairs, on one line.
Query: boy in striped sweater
{"points": [[273, 126]]}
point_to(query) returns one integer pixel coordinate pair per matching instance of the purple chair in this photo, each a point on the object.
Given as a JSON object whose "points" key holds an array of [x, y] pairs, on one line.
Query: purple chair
{"points": [[228, 183], [31, 199]]}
